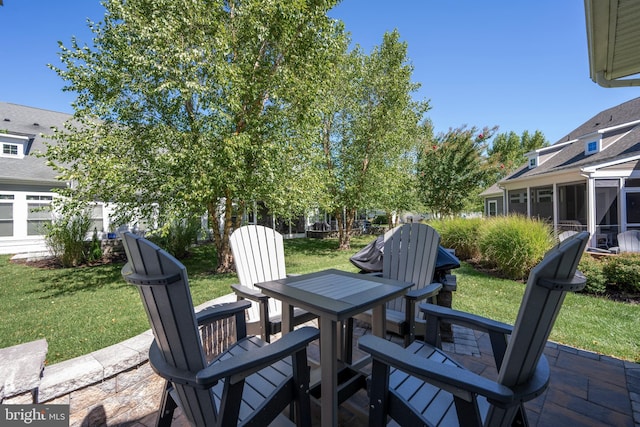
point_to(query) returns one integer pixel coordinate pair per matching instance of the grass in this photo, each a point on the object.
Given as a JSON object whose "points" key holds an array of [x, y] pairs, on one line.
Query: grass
{"points": [[80, 310]]}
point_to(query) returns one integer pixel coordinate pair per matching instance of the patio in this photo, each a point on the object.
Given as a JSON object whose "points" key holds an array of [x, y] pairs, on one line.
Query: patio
{"points": [[586, 389]]}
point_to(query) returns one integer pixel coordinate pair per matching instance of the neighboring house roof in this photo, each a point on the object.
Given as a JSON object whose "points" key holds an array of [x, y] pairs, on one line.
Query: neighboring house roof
{"points": [[621, 141], [31, 122]]}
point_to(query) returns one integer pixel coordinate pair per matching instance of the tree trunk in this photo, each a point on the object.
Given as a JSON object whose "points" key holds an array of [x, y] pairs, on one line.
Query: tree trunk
{"points": [[345, 224], [216, 210]]}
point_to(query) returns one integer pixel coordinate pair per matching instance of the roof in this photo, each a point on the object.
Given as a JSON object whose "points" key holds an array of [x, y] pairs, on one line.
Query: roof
{"points": [[613, 38], [621, 126], [32, 122]]}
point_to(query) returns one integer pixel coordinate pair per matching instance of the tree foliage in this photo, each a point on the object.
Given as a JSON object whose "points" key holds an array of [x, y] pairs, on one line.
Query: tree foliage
{"points": [[507, 150], [369, 123], [452, 169], [192, 107]]}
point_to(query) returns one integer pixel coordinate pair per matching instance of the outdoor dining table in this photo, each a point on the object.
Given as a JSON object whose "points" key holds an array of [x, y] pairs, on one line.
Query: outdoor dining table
{"points": [[334, 296]]}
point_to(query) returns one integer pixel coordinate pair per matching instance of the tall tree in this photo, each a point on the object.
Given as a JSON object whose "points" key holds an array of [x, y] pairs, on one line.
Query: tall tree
{"points": [[452, 169], [369, 125], [507, 150], [196, 106]]}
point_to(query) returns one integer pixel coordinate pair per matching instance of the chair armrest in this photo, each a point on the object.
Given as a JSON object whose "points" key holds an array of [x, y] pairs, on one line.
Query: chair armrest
{"points": [[472, 321], [217, 312], [498, 331], [242, 365], [423, 293], [248, 293], [456, 380]]}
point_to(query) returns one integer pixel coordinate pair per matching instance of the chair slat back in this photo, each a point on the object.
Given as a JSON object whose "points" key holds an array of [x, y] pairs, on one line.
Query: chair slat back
{"points": [[410, 254], [164, 288], [629, 241], [258, 253], [539, 309]]}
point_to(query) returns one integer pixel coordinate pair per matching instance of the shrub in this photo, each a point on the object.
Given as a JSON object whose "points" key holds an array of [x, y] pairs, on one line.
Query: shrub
{"points": [[624, 272], [460, 234], [95, 248], [381, 220], [514, 244], [65, 237], [176, 236], [593, 271]]}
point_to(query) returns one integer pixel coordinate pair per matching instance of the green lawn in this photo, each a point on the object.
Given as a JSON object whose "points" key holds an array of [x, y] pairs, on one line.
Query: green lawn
{"points": [[80, 310]]}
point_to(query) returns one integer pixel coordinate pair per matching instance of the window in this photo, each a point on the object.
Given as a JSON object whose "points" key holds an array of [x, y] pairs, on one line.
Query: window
{"points": [[9, 149], [6, 215], [97, 223], [592, 147], [532, 162], [38, 214], [492, 207]]}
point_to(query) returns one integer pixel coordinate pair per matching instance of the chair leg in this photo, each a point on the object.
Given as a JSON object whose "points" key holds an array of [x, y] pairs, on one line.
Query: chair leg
{"points": [[302, 403], [167, 406]]}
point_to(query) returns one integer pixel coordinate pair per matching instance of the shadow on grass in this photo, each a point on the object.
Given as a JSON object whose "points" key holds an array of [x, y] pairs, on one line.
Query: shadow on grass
{"points": [[68, 281], [322, 247]]}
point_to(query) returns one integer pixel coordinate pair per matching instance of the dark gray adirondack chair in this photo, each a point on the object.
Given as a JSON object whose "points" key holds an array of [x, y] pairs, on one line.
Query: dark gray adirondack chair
{"points": [[258, 254], [421, 385], [629, 241], [248, 382], [410, 254]]}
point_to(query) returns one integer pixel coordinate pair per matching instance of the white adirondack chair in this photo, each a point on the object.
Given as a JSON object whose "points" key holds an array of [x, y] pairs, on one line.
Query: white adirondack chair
{"points": [[421, 385], [410, 254], [248, 382], [258, 253]]}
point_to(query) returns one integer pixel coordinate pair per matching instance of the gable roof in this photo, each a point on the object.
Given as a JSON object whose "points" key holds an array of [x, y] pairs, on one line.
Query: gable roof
{"points": [[621, 137], [33, 123]]}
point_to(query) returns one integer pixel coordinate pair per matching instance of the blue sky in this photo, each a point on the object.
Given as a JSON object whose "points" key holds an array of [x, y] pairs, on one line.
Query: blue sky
{"points": [[520, 65]]}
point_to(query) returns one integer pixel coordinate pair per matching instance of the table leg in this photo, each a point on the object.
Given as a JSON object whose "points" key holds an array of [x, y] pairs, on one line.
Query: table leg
{"points": [[329, 375], [379, 321], [287, 316]]}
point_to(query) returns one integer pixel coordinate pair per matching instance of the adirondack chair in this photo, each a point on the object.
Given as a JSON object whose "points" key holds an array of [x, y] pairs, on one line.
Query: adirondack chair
{"points": [[628, 241], [247, 382], [410, 254], [421, 385], [258, 253], [566, 234]]}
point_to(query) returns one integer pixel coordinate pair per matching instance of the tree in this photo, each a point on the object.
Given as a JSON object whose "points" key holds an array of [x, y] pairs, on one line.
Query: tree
{"points": [[369, 124], [507, 150], [452, 169], [192, 107]]}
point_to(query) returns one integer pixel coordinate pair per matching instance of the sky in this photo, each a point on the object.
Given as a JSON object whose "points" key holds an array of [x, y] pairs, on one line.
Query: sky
{"points": [[518, 65]]}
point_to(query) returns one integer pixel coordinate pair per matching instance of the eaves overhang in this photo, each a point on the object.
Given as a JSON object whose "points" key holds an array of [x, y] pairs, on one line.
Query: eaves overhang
{"points": [[613, 40]]}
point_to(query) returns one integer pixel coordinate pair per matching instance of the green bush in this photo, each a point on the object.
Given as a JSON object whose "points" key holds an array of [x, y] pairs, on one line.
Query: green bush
{"points": [[623, 271], [65, 237], [380, 220], [514, 244], [176, 236], [95, 248], [460, 234], [593, 271]]}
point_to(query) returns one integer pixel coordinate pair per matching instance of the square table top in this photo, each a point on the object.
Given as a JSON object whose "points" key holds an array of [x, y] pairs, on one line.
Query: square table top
{"points": [[338, 294]]}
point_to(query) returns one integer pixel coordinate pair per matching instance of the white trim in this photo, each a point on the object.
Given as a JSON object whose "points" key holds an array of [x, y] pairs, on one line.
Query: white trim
{"points": [[594, 168]]}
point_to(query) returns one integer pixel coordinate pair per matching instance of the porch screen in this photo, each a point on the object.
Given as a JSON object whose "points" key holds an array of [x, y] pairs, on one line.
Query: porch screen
{"points": [[607, 202], [542, 202]]}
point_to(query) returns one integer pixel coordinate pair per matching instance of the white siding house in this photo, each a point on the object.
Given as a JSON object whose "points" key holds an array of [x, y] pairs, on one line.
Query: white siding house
{"points": [[26, 182]]}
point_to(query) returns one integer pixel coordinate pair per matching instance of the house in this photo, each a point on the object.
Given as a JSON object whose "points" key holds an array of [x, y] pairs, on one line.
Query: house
{"points": [[588, 180], [26, 181]]}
